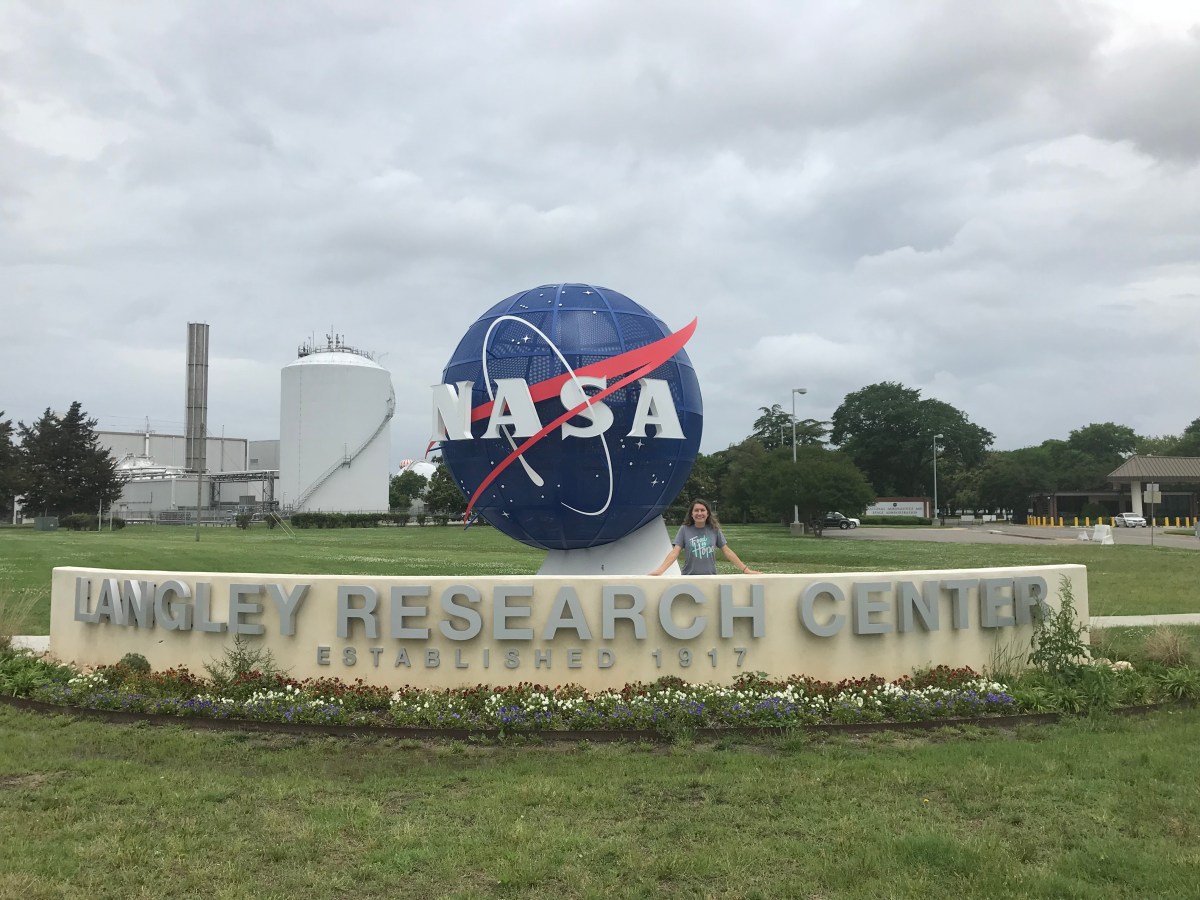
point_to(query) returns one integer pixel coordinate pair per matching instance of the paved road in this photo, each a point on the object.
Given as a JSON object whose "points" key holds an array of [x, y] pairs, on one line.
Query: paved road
{"points": [[1000, 533]]}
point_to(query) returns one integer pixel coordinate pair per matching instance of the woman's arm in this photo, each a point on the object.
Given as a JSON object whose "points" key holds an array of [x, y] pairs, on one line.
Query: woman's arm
{"points": [[733, 558], [666, 563]]}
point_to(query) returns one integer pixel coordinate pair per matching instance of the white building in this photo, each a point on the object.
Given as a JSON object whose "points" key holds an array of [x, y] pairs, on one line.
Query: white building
{"points": [[334, 442]]}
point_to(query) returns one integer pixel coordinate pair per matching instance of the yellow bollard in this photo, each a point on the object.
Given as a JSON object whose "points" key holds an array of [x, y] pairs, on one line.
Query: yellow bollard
{"points": [[1087, 521], [1076, 522]]}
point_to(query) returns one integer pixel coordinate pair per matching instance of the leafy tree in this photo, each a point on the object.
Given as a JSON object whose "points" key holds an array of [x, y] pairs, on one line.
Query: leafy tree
{"points": [[64, 468], [1189, 441], [442, 495], [1008, 478], [1084, 460], [704, 481], [888, 431], [769, 486], [10, 466], [404, 488], [1186, 444], [773, 429], [1104, 441], [1161, 445], [741, 488]]}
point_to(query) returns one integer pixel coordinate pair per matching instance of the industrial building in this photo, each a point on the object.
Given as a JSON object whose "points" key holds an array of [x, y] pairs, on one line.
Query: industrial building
{"points": [[159, 488], [334, 444], [333, 453]]}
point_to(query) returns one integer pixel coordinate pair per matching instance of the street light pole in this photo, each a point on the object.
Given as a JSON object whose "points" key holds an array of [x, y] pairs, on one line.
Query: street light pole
{"points": [[795, 391], [936, 438]]}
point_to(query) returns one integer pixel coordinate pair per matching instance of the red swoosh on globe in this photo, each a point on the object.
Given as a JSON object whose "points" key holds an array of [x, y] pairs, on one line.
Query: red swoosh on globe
{"points": [[642, 361]]}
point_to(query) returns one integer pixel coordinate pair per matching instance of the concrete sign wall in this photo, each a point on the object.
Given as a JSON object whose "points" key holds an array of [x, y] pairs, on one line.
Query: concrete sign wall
{"points": [[598, 632]]}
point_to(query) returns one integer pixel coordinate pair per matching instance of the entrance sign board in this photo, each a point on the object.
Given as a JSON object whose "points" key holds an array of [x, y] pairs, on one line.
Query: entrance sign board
{"points": [[569, 416], [595, 631], [899, 507]]}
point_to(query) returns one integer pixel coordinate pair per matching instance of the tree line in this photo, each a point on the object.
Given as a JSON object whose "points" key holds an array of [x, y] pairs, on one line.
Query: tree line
{"points": [[888, 433], [880, 442], [56, 465]]}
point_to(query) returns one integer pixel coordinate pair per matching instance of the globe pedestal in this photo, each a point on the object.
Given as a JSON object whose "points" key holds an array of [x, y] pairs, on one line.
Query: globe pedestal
{"points": [[638, 553]]}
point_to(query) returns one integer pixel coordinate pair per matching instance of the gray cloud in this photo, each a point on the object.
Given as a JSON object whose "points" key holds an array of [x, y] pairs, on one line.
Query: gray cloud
{"points": [[991, 202]]}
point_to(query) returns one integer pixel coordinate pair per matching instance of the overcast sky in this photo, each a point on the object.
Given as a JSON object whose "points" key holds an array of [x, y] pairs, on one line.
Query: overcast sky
{"points": [[996, 203]]}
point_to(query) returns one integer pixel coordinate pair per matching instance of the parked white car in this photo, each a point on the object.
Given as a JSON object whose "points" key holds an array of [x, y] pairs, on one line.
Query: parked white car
{"points": [[1129, 520]]}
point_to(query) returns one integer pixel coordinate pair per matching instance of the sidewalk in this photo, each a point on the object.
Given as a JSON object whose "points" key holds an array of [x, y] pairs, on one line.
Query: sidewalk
{"points": [[1131, 621]]}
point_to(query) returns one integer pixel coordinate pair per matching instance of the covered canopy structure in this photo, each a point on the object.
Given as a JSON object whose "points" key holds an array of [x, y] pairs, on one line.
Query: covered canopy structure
{"points": [[1139, 471]]}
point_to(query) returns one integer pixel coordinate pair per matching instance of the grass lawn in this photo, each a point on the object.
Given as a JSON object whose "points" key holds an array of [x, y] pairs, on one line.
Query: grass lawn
{"points": [[1122, 580], [1094, 808], [1098, 808]]}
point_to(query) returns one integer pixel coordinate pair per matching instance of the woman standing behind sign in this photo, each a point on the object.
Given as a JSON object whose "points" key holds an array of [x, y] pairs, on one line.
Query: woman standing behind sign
{"points": [[700, 535]]}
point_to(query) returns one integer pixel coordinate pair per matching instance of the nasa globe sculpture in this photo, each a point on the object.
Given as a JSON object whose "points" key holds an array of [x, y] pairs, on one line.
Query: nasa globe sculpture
{"points": [[569, 416]]}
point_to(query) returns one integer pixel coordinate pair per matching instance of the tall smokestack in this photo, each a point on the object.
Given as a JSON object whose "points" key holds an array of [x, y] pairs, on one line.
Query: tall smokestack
{"points": [[197, 396]]}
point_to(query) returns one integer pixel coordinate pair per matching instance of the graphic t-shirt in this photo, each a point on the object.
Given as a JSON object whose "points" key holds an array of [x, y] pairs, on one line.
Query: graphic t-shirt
{"points": [[699, 548]]}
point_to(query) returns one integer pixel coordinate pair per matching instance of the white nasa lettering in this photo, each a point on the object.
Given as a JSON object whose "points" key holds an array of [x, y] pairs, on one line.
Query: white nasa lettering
{"points": [[513, 406], [572, 395], [452, 411], [656, 408]]}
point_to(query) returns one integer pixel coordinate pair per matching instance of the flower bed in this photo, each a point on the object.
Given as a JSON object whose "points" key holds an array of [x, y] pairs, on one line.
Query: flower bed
{"points": [[668, 705]]}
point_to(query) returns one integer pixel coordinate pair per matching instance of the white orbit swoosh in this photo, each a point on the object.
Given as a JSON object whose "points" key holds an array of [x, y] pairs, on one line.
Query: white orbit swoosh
{"points": [[534, 476]]}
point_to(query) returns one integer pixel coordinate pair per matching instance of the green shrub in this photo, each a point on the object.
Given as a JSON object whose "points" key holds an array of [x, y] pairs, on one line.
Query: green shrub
{"points": [[337, 520], [79, 522], [135, 662], [21, 673], [90, 522], [1180, 684], [1057, 646], [244, 670], [243, 520]]}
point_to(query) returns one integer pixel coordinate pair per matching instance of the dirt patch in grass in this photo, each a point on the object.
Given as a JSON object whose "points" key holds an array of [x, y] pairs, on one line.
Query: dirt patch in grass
{"points": [[23, 782]]}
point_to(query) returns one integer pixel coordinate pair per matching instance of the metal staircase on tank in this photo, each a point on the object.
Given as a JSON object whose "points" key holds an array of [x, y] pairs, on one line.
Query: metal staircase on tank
{"points": [[347, 459]]}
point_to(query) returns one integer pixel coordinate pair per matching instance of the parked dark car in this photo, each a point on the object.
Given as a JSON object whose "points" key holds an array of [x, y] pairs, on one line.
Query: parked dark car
{"points": [[837, 520]]}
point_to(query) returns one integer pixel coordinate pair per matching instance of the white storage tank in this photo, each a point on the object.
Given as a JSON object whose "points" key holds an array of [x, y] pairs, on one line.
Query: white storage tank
{"points": [[334, 441]]}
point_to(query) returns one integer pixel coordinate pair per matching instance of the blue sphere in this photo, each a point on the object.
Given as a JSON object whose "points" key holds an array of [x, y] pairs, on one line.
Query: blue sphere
{"points": [[593, 489]]}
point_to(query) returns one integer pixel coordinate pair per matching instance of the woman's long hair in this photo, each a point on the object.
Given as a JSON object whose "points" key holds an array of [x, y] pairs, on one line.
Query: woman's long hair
{"points": [[712, 516]]}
